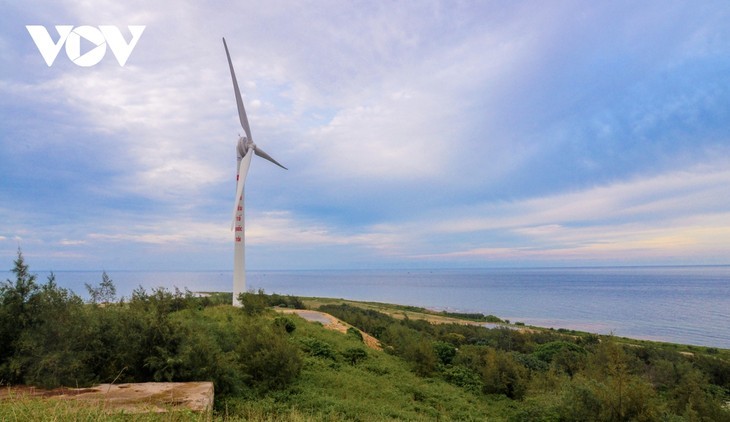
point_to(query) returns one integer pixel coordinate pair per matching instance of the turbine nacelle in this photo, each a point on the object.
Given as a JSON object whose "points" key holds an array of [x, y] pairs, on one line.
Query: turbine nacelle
{"points": [[244, 144]]}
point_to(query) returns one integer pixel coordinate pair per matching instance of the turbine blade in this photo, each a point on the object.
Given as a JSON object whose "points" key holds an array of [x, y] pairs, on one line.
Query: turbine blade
{"points": [[242, 173], [266, 156], [239, 100]]}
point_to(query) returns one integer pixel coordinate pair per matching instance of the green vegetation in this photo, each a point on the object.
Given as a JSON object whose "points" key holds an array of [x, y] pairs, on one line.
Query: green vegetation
{"points": [[52, 338], [405, 311], [269, 366], [560, 376]]}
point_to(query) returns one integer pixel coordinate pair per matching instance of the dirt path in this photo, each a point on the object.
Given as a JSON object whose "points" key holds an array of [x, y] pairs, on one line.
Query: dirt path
{"points": [[331, 323]]}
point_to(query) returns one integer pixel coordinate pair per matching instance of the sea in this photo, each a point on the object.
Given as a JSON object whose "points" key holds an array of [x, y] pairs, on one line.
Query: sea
{"points": [[678, 304]]}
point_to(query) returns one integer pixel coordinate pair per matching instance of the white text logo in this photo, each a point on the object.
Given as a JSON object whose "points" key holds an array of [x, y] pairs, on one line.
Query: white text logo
{"points": [[100, 37]]}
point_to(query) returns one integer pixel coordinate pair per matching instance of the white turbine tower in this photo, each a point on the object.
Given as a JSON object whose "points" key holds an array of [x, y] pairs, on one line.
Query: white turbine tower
{"points": [[244, 149]]}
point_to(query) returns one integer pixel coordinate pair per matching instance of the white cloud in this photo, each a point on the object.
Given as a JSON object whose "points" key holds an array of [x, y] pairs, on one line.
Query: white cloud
{"points": [[674, 194], [678, 214], [71, 242], [284, 229], [166, 232], [385, 112], [672, 245]]}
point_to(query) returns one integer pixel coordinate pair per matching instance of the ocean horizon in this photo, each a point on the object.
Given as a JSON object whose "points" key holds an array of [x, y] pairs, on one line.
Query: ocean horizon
{"points": [[678, 304]]}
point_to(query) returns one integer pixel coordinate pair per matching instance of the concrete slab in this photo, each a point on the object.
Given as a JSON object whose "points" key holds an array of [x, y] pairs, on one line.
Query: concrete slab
{"points": [[148, 397]]}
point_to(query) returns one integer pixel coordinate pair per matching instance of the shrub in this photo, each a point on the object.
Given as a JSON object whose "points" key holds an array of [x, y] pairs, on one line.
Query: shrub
{"points": [[253, 303], [499, 372], [267, 359], [285, 301], [445, 352], [422, 357], [546, 352], [285, 323], [354, 355], [463, 377], [53, 352], [354, 332], [567, 357], [531, 362], [318, 348], [597, 401]]}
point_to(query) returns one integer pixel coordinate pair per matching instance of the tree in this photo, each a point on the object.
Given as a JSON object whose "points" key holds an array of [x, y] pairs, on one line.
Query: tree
{"points": [[253, 303], [16, 313], [611, 388], [499, 372], [445, 352], [106, 292], [53, 351], [565, 356], [18, 296]]}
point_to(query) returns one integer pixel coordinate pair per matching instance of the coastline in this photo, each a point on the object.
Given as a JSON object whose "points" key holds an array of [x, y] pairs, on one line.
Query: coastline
{"points": [[432, 316]]}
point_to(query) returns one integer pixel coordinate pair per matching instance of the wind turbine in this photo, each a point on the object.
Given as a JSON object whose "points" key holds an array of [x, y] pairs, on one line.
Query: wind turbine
{"points": [[244, 150]]}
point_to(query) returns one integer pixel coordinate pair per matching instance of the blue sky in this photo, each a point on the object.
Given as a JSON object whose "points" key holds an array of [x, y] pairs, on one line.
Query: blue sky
{"points": [[417, 134]]}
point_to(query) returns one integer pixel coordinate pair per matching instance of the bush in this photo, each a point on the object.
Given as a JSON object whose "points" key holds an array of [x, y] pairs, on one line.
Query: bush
{"points": [[285, 323], [531, 362], [463, 377], [445, 352], [499, 372], [287, 301], [354, 355], [422, 357], [547, 352], [53, 352], [354, 332], [253, 303], [615, 400], [318, 348], [268, 360], [565, 356]]}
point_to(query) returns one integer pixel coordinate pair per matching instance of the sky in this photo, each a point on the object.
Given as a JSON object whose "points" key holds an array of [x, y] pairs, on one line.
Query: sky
{"points": [[417, 134]]}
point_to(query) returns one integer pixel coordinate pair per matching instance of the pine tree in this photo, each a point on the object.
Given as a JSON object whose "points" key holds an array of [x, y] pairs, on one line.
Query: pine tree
{"points": [[17, 297], [17, 313], [106, 292]]}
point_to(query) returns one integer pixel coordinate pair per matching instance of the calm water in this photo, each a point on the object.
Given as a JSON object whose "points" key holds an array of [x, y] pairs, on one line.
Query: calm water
{"points": [[676, 304]]}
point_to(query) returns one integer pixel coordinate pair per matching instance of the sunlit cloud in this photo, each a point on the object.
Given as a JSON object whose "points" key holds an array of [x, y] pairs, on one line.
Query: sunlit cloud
{"points": [[678, 214], [71, 242]]}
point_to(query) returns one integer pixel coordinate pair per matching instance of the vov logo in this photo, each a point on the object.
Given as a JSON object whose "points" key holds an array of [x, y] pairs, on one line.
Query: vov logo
{"points": [[101, 37]]}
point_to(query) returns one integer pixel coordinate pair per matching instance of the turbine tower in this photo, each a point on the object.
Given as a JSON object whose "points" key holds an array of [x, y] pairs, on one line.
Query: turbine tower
{"points": [[244, 150]]}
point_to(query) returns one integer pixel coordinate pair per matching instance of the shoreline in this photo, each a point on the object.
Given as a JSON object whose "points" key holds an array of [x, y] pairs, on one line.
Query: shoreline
{"points": [[436, 317]]}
